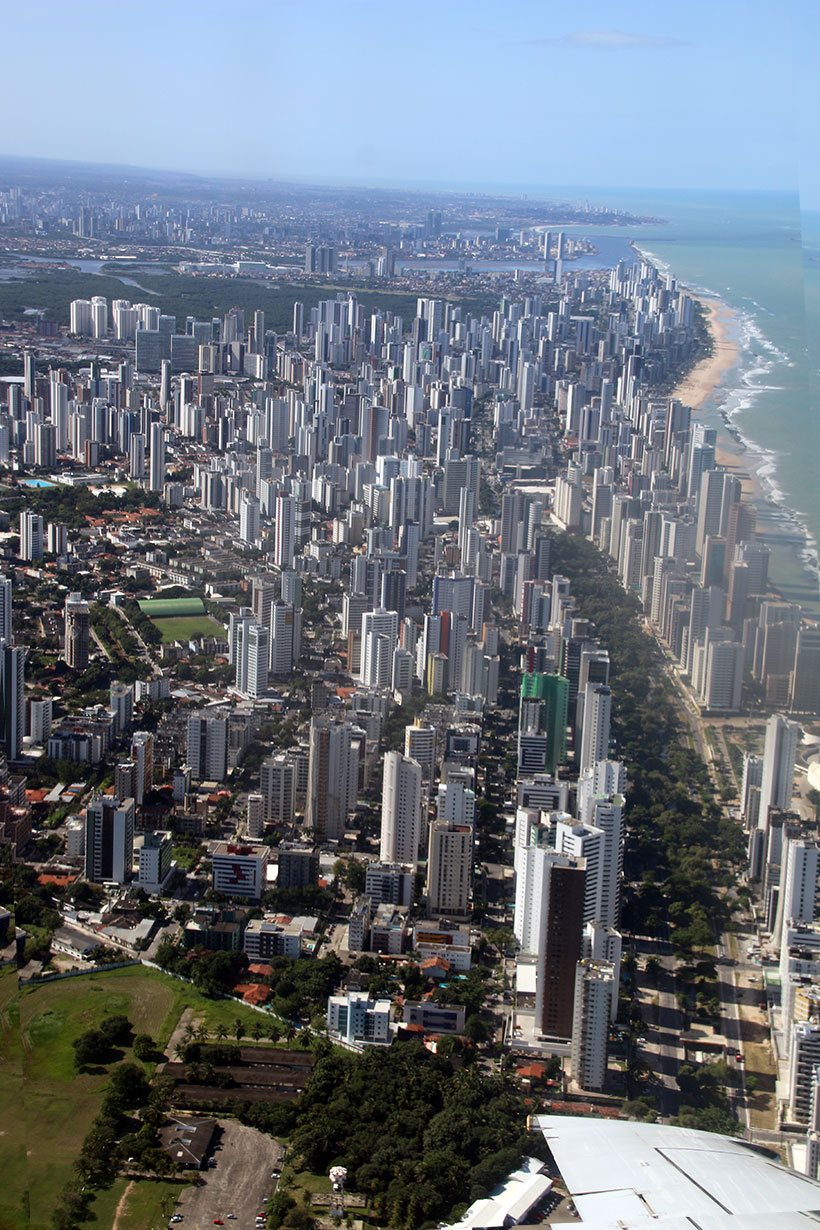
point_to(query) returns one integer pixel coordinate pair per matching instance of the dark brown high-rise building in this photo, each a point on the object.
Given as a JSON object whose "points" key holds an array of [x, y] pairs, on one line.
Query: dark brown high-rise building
{"points": [[561, 951], [77, 632]]}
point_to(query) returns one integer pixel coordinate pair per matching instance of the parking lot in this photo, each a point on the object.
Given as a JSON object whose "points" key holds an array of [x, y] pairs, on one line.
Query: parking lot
{"points": [[236, 1185]]}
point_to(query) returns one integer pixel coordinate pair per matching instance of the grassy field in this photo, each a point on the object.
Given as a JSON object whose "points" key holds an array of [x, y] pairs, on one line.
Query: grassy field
{"points": [[12, 1140], [104, 1205], [148, 1206], [49, 1104], [187, 627]]}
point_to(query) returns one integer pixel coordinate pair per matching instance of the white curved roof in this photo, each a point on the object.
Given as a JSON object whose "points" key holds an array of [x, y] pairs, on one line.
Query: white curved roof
{"points": [[634, 1176]]}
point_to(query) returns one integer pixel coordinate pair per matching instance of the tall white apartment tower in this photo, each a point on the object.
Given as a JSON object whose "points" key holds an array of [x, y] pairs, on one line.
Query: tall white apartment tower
{"points": [[333, 777], [252, 658], [380, 631], [31, 536], [584, 841], [800, 863], [594, 989], [449, 867], [401, 810], [156, 472], [779, 754], [456, 804], [142, 754], [284, 540], [607, 815], [595, 733], [5, 609], [109, 839], [277, 784], [207, 746], [420, 744]]}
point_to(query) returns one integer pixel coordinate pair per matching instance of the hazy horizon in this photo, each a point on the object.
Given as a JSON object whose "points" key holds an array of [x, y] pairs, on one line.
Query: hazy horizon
{"points": [[362, 96]]}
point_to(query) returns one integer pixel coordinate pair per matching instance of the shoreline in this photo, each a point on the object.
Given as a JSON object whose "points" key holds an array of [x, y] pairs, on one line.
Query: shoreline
{"points": [[699, 390], [700, 384], [705, 388]]}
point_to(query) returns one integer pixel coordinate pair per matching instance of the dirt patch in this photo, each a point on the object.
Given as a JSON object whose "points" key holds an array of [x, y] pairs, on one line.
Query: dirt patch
{"points": [[121, 1206]]}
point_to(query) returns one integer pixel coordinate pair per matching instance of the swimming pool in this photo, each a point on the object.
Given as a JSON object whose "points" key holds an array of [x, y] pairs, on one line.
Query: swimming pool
{"points": [[35, 482]]}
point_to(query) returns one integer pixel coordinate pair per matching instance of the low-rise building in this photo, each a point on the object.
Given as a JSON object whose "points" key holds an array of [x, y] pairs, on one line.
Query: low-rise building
{"points": [[355, 1017], [298, 865], [388, 930], [216, 930], [389, 884], [451, 944], [358, 931], [435, 1018], [188, 1141], [277, 935], [155, 862]]}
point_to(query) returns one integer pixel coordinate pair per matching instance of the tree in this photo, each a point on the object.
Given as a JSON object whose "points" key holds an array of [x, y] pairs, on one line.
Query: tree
{"points": [[144, 1047], [653, 970], [89, 1048], [130, 1084], [239, 1029]]}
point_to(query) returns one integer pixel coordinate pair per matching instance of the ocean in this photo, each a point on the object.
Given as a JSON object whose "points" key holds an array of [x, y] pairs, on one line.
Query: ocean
{"points": [[762, 257]]}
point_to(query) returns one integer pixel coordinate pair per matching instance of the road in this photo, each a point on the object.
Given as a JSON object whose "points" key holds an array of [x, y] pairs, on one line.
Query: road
{"points": [[730, 995], [146, 652], [663, 1024]]}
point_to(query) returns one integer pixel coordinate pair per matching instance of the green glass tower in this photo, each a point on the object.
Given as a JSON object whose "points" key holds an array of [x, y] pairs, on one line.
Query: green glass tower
{"points": [[544, 708]]}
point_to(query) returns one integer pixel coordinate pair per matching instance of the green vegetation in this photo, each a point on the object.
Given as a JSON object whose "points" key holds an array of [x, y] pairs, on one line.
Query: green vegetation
{"points": [[102, 1208], [41, 1091], [681, 849], [705, 1105], [183, 295], [72, 505], [148, 1205], [159, 608], [187, 628], [120, 644], [299, 989], [424, 1140]]}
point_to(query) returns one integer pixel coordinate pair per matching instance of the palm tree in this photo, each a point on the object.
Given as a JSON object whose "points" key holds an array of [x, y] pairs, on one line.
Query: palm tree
{"points": [[188, 1032], [238, 1029], [221, 1031], [202, 1033], [257, 1030]]}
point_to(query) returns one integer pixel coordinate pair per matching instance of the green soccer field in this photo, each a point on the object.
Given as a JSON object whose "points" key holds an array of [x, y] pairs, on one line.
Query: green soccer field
{"points": [[187, 627]]}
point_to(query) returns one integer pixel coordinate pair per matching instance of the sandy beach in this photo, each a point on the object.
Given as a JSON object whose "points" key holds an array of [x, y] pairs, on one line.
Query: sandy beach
{"points": [[707, 375], [705, 379]]}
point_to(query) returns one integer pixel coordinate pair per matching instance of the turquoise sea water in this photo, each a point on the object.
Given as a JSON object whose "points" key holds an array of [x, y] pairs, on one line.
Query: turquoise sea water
{"points": [[757, 253]]}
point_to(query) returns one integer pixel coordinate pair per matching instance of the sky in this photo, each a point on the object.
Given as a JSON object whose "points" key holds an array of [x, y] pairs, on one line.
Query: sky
{"points": [[702, 94]]}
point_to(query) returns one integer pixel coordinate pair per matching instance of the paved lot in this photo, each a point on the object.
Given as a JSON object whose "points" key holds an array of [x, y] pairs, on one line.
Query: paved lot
{"points": [[241, 1177]]}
